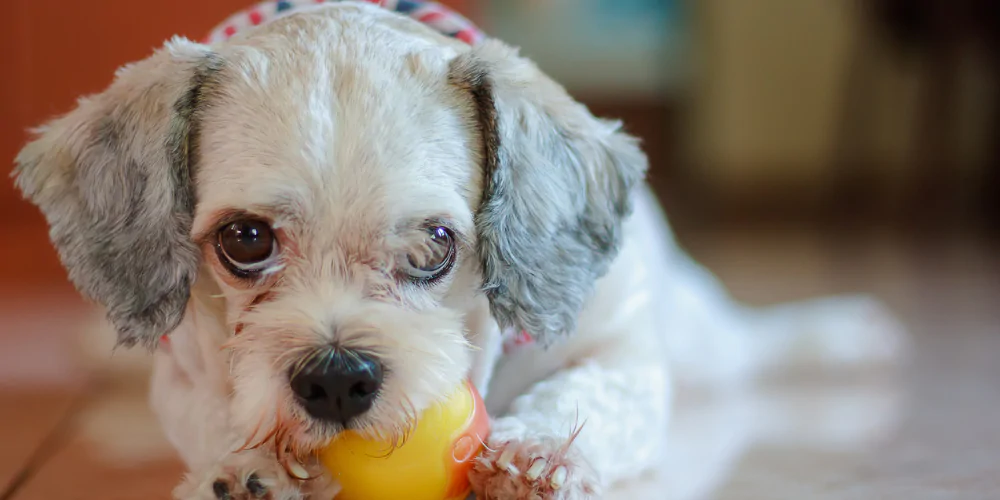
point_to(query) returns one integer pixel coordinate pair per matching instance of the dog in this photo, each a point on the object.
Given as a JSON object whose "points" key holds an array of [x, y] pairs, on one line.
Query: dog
{"points": [[329, 221]]}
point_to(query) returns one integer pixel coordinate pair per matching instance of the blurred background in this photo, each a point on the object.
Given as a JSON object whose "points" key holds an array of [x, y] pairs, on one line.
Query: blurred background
{"points": [[875, 112], [801, 148]]}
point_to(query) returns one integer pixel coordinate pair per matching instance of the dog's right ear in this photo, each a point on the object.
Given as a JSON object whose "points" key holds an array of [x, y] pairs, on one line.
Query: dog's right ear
{"points": [[557, 187], [114, 181]]}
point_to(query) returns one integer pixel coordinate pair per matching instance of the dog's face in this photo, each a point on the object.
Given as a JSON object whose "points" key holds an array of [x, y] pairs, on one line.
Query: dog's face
{"points": [[335, 209], [353, 183]]}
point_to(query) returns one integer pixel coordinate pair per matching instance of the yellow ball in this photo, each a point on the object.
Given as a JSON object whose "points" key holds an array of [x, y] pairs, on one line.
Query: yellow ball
{"points": [[433, 463]]}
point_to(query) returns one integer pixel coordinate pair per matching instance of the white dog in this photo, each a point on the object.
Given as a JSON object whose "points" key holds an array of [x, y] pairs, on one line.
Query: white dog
{"points": [[334, 218]]}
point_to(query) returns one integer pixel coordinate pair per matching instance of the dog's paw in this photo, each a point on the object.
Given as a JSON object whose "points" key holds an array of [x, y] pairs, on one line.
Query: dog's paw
{"points": [[247, 476], [534, 469], [239, 487], [229, 484]]}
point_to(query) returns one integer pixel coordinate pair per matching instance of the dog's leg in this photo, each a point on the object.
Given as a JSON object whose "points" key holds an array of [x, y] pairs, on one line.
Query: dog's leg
{"points": [[714, 339], [196, 418], [573, 434], [829, 331], [216, 472], [238, 475], [600, 418], [591, 411]]}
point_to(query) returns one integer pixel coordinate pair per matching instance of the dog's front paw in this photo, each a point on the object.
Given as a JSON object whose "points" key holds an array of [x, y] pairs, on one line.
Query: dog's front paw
{"points": [[238, 487], [248, 476], [534, 469]]}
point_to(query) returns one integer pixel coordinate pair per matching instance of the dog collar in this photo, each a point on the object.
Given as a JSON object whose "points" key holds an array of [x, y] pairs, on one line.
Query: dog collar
{"points": [[437, 16], [516, 340]]}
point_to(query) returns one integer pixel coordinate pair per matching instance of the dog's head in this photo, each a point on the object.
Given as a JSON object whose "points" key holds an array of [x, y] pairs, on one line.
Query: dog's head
{"points": [[352, 182]]}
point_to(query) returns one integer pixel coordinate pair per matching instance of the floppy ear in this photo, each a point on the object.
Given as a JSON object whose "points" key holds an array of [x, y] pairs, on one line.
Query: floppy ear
{"points": [[557, 186], [113, 179]]}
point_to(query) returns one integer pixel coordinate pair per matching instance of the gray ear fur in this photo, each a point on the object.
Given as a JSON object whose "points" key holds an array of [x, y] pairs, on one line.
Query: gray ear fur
{"points": [[113, 179], [557, 187]]}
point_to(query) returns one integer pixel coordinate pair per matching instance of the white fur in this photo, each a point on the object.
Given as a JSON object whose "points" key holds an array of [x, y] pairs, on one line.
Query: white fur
{"points": [[341, 127]]}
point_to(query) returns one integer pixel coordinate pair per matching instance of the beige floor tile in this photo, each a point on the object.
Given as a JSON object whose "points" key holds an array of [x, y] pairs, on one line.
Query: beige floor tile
{"points": [[115, 451], [78, 473], [40, 382], [26, 419]]}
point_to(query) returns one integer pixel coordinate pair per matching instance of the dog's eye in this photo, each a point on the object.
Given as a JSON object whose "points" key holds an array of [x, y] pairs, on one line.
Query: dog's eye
{"points": [[435, 259], [247, 246]]}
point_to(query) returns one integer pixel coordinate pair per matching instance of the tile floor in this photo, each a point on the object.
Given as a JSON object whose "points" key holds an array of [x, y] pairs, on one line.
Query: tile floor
{"points": [[929, 428]]}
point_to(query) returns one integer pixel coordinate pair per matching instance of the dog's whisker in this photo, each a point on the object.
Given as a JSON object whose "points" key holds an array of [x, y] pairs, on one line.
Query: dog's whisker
{"points": [[305, 363], [253, 435], [291, 357], [329, 359]]}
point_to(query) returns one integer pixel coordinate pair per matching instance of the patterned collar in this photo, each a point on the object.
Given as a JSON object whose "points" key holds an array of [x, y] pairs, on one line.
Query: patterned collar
{"points": [[437, 16]]}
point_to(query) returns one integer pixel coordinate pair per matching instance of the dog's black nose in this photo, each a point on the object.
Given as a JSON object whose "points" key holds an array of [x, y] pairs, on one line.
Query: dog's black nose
{"points": [[339, 387]]}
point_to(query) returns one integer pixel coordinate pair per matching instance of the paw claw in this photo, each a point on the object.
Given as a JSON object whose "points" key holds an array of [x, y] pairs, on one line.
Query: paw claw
{"points": [[485, 463], [505, 462], [536, 469], [558, 478], [298, 471]]}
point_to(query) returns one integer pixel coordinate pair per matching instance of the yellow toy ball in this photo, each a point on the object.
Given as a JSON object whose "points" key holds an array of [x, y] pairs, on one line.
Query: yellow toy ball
{"points": [[433, 463]]}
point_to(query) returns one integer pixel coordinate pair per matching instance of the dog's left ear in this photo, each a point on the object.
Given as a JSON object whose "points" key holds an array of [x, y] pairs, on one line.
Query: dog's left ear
{"points": [[113, 178], [557, 187]]}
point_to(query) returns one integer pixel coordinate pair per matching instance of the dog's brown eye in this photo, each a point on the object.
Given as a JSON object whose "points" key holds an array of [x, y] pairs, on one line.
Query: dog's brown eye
{"points": [[435, 259], [247, 246]]}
